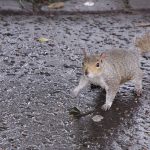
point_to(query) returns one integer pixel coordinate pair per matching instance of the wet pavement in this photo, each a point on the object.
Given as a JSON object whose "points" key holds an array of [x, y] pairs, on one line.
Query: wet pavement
{"points": [[36, 79]]}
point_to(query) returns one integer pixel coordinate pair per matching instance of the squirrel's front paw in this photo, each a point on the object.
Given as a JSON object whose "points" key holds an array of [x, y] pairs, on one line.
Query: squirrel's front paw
{"points": [[106, 106], [74, 93], [138, 92]]}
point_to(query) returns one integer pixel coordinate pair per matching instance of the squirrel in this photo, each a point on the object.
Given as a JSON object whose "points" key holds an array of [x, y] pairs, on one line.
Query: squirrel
{"points": [[113, 68]]}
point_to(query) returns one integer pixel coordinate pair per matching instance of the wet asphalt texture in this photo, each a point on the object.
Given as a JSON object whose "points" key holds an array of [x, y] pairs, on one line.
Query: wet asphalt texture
{"points": [[36, 79]]}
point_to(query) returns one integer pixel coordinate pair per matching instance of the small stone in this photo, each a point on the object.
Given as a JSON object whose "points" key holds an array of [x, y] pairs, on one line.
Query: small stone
{"points": [[117, 108], [12, 41], [19, 46], [89, 3], [146, 112], [73, 57], [121, 118], [97, 118]]}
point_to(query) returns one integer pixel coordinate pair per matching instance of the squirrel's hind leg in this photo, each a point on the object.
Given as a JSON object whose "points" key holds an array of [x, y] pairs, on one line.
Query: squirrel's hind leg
{"points": [[137, 81]]}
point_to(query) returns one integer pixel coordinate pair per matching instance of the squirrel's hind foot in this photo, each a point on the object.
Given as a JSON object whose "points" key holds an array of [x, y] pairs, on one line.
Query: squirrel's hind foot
{"points": [[106, 106]]}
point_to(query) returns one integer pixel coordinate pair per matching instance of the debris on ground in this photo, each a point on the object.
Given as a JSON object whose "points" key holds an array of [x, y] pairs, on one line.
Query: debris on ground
{"points": [[56, 5], [142, 24], [75, 112], [89, 3], [42, 39], [97, 118]]}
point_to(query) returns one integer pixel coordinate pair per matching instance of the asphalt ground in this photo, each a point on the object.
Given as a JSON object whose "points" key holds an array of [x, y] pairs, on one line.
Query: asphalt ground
{"points": [[36, 79]]}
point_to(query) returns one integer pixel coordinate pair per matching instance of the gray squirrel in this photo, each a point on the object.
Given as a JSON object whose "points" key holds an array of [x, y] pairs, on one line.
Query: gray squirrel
{"points": [[112, 68]]}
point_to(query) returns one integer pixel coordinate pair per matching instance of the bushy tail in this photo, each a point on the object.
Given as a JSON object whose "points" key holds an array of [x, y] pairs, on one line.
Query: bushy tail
{"points": [[143, 43]]}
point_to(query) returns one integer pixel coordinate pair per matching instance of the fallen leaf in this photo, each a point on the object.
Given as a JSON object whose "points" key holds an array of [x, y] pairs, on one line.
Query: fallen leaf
{"points": [[42, 39], [75, 112], [56, 5], [97, 118], [142, 24]]}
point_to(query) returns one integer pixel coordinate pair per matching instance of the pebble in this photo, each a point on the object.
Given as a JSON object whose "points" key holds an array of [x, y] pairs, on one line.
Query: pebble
{"points": [[97, 118]]}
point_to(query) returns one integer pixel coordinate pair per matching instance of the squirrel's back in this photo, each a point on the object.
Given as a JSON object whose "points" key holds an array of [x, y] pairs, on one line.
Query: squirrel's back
{"points": [[121, 65]]}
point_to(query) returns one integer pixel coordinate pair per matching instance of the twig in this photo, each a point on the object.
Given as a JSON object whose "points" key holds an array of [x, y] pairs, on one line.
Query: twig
{"points": [[142, 25], [21, 4]]}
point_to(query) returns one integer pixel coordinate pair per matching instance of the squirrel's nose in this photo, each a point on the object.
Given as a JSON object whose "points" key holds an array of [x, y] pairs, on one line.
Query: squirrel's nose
{"points": [[86, 72]]}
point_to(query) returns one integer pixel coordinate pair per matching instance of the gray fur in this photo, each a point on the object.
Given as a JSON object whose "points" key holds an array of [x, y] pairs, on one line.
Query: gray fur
{"points": [[118, 67]]}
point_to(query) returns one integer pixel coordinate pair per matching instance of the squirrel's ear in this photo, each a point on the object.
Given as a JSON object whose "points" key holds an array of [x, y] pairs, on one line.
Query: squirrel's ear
{"points": [[84, 53], [103, 56]]}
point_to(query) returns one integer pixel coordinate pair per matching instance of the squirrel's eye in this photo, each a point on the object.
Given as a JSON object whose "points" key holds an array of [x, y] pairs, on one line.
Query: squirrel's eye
{"points": [[97, 65], [83, 64]]}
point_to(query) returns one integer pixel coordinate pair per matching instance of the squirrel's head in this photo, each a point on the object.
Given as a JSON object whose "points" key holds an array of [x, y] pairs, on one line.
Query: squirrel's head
{"points": [[92, 64]]}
